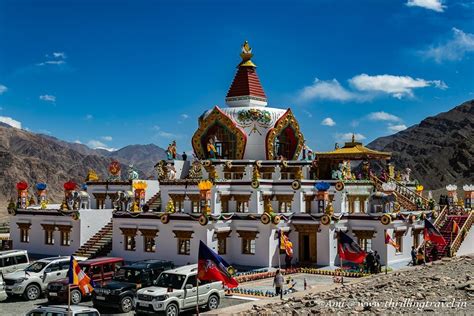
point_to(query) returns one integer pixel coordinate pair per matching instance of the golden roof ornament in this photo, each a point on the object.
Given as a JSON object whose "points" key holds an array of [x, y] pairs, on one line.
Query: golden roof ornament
{"points": [[246, 55]]}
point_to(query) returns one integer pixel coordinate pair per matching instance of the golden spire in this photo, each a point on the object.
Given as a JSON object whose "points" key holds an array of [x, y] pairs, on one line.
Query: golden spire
{"points": [[246, 55]]}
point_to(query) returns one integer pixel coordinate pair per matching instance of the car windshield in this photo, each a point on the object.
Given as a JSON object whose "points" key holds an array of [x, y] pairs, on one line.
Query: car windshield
{"points": [[128, 275], [36, 267], [171, 280]]}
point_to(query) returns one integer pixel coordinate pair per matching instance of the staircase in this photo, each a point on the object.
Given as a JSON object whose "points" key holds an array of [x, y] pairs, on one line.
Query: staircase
{"points": [[98, 245], [155, 202], [405, 196], [445, 228]]}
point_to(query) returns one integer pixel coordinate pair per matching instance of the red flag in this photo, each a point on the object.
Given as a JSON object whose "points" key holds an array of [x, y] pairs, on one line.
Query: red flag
{"points": [[455, 228], [349, 250], [430, 233], [389, 240], [211, 267]]}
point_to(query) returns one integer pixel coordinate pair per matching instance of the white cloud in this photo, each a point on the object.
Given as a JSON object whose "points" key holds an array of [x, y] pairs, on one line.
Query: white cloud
{"points": [[51, 62], [89, 117], [97, 144], [9, 121], [325, 90], [48, 98], [77, 141], [453, 49], [328, 122], [383, 116], [396, 128], [397, 86], [435, 5], [56, 58], [184, 116], [3, 89], [107, 138], [166, 134], [61, 55], [308, 113], [345, 137], [156, 128]]}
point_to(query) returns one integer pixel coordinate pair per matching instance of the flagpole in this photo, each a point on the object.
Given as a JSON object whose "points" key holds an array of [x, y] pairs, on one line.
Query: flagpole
{"points": [[197, 295], [69, 299], [342, 274]]}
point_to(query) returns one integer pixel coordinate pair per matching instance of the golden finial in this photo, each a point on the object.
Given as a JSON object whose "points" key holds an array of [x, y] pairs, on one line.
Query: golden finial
{"points": [[246, 55]]}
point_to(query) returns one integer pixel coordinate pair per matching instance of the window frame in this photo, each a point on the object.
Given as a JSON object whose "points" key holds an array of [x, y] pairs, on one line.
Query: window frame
{"points": [[187, 246]]}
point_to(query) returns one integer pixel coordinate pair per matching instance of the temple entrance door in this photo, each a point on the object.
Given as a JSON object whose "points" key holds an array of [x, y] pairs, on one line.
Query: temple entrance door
{"points": [[304, 256], [307, 251]]}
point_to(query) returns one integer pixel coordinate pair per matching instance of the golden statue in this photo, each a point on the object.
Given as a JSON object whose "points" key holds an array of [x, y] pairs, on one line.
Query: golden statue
{"points": [[44, 205], [268, 207], [329, 209], [170, 206], [255, 173], [92, 175], [299, 174], [246, 55]]}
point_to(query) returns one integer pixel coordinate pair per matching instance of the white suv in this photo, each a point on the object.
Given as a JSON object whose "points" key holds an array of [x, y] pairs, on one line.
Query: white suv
{"points": [[175, 291], [33, 280]]}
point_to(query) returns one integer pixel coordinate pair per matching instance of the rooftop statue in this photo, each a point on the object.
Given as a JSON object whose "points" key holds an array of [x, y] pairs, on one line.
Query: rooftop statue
{"points": [[92, 176], [171, 151], [132, 174]]}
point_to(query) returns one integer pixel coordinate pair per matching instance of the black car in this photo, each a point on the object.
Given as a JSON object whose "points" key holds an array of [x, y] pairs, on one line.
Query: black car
{"points": [[120, 292]]}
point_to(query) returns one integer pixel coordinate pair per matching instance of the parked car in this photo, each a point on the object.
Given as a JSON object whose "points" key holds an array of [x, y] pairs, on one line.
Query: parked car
{"points": [[175, 291], [99, 270], [120, 292], [13, 260], [33, 280], [62, 310]]}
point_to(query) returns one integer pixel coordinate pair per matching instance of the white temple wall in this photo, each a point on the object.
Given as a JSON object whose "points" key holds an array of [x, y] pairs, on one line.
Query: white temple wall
{"points": [[36, 244]]}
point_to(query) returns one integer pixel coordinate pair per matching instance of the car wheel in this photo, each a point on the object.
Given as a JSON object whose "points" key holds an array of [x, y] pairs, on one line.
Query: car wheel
{"points": [[213, 302], [32, 292], [126, 304], [76, 296], [172, 310]]}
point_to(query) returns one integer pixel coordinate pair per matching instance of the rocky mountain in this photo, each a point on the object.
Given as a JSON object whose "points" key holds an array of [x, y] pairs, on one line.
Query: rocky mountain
{"points": [[35, 157], [439, 150]]}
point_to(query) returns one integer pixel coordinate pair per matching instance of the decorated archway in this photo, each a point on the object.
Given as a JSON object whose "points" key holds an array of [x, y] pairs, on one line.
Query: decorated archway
{"points": [[218, 128], [285, 139]]}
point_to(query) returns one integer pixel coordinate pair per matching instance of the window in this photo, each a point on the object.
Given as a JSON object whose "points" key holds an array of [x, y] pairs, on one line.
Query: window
{"points": [[195, 206], [248, 246], [222, 245], [49, 237], [365, 244], [65, 238], [24, 232], [178, 205], [8, 261], [399, 240], [129, 238], [284, 206], [242, 206], [184, 246], [53, 267], [225, 205], [307, 203], [109, 267], [64, 265], [129, 242], [21, 259], [191, 280], [149, 243]]}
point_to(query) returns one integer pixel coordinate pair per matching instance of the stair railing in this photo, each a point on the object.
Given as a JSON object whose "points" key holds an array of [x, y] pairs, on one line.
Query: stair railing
{"points": [[466, 227]]}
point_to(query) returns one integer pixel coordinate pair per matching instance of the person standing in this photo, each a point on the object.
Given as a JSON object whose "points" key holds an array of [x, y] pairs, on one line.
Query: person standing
{"points": [[434, 253], [184, 156], [278, 282], [413, 255], [378, 266]]}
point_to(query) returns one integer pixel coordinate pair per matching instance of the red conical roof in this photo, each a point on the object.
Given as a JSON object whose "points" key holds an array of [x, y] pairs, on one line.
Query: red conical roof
{"points": [[246, 83]]}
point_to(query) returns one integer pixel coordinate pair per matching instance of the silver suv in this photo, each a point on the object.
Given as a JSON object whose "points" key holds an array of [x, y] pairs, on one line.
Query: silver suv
{"points": [[175, 291], [33, 280], [63, 310]]}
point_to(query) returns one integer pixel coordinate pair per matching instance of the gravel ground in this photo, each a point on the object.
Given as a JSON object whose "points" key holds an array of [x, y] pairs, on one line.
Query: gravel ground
{"points": [[444, 287], [18, 306]]}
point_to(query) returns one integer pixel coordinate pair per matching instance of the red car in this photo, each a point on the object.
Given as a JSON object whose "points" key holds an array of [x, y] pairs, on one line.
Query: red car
{"points": [[100, 270]]}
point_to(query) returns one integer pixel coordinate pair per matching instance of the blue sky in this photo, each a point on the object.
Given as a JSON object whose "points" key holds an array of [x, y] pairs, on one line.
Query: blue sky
{"points": [[113, 73]]}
